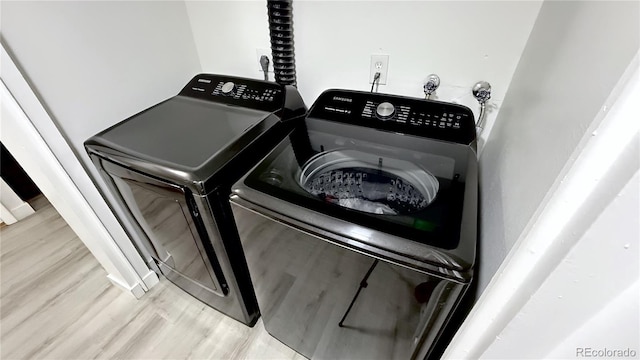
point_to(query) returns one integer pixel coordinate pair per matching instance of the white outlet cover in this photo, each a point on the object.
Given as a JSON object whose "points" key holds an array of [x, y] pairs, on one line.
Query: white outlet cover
{"points": [[259, 53], [382, 59]]}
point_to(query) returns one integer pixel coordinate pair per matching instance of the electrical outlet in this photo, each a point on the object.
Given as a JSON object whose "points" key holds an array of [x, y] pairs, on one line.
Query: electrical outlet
{"points": [[379, 63], [259, 53]]}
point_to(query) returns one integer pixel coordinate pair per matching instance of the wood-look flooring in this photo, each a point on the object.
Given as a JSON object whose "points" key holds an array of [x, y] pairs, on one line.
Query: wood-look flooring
{"points": [[56, 303]]}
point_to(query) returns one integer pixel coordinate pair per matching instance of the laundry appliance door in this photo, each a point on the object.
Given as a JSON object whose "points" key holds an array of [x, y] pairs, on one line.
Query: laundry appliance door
{"points": [[172, 231]]}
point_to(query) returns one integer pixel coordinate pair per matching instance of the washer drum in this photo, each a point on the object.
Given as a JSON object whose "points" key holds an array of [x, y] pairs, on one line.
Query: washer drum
{"points": [[369, 183]]}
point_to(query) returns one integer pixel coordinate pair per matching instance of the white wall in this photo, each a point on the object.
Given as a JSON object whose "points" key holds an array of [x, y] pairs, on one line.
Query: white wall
{"points": [[92, 64], [463, 42], [227, 34], [576, 53], [615, 326], [594, 282], [579, 256]]}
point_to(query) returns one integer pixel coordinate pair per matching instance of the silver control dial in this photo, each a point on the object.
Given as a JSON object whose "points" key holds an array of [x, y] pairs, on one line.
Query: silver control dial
{"points": [[385, 110], [228, 88]]}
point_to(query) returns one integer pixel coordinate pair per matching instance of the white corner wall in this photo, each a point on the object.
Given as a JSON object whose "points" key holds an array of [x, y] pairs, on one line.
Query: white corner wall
{"points": [[579, 258], [575, 55], [463, 42], [93, 64], [588, 300], [614, 327]]}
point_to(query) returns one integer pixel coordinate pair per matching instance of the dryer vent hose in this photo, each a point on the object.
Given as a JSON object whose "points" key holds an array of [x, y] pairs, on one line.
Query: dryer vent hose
{"points": [[281, 33]]}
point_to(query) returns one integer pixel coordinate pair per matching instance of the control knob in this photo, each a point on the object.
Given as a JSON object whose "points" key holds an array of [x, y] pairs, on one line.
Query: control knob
{"points": [[385, 110], [228, 88]]}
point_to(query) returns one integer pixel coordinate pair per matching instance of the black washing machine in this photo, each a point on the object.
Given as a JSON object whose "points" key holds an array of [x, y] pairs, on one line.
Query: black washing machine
{"points": [[170, 169], [360, 227]]}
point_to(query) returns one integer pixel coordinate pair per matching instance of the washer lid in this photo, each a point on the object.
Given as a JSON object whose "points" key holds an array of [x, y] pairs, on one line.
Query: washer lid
{"points": [[436, 182]]}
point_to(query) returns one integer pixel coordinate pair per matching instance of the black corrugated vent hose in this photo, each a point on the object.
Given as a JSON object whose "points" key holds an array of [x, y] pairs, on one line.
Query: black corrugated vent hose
{"points": [[281, 33]]}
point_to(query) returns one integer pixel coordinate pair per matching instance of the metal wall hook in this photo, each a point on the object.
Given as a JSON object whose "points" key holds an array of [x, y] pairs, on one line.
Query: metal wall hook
{"points": [[433, 82], [482, 92]]}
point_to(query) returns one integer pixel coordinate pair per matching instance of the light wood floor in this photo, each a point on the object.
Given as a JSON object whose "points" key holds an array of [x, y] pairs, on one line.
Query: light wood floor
{"points": [[56, 303]]}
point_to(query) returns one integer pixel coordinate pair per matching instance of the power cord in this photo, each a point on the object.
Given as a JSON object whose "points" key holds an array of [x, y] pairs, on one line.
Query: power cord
{"points": [[376, 81], [264, 62]]}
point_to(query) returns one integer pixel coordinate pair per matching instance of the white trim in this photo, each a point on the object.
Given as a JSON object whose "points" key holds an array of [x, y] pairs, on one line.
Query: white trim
{"points": [[32, 153], [22, 211], [136, 290], [151, 279], [604, 163], [12, 203], [6, 216]]}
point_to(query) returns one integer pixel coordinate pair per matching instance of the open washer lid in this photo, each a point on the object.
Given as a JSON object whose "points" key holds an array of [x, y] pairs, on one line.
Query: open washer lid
{"points": [[415, 191]]}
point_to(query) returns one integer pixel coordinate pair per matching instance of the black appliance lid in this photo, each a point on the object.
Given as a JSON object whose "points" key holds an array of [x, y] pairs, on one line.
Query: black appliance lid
{"points": [[404, 160], [182, 132], [192, 137]]}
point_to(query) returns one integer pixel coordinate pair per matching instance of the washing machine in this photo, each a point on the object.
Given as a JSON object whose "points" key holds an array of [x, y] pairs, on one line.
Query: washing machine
{"points": [[169, 170], [360, 227]]}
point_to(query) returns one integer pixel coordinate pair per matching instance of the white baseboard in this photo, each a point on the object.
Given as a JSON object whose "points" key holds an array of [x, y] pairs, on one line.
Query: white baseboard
{"points": [[22, 211], [151, 279], [6, 215], [137, 290]]}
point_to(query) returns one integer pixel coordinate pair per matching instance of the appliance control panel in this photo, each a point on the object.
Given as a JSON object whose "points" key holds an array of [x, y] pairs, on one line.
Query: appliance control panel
{"points": [[421, 117], [250, 93]]}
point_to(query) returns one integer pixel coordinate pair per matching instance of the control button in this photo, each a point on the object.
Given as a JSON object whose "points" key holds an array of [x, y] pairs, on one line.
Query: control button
{"points": [[228, 88], [385, 110]]}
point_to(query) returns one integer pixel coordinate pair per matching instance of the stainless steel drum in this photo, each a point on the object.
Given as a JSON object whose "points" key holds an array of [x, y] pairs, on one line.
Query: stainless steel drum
{"points": [[369, 183]]}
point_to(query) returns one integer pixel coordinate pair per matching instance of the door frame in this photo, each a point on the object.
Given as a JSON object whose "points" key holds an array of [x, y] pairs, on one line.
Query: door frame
{"points": [[603, 163], [23, 139]]}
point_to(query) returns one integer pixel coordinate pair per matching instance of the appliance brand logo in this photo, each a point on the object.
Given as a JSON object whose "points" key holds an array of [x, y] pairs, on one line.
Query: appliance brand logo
{"points": [[343, 99]]}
